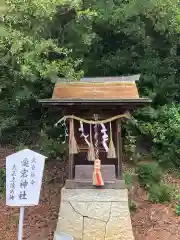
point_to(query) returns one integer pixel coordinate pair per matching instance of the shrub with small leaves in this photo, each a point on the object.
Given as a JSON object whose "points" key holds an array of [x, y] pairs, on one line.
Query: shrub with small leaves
{"points": [[159, 193], [178, 209], [148, 174], [178, 204], [52, 147], [128, 179], [2, 179]]}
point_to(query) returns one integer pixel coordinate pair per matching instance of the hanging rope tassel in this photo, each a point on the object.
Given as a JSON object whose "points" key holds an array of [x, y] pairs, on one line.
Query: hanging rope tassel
{"points": [[97, 177], [112, 150], [73, 147], [91, 153]]}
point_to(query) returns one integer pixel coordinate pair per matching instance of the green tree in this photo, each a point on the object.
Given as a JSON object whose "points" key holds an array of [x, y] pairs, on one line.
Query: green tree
{"points": [[44, 40], [32, 56], [138, 37]]}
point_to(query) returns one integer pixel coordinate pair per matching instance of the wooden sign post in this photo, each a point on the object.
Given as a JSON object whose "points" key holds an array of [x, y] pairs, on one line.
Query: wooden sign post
{"points": [[24, 173]]}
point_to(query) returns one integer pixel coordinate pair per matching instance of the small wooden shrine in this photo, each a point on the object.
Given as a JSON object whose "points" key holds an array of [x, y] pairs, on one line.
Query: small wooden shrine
{"points": [[92, 110]]}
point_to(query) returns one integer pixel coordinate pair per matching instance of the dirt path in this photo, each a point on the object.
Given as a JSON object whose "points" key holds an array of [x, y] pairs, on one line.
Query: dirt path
{"points": [[154, 221]]}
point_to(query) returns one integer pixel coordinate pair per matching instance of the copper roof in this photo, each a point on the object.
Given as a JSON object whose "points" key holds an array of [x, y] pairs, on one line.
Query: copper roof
{"points": [[97, 92], [97, 88]]}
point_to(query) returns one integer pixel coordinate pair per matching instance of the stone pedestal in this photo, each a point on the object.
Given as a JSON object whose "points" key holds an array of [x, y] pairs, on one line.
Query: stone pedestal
{"points": [[95, 214]]}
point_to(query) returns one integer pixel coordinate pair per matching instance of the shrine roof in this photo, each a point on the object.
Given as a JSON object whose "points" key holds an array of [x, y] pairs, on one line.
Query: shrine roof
{"points": [[97, 90]]}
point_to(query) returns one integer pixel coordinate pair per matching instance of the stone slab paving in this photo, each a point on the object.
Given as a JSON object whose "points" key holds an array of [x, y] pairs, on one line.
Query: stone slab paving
{"points": [[95, 214]]}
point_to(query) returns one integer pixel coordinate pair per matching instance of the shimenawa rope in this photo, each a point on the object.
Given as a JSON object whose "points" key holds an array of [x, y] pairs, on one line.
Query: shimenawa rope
{"points": [[125, 115]]}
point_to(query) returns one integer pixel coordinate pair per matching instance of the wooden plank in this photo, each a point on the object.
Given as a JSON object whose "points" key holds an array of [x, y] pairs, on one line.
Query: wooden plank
{"points": [[71, 166], [69, 155]]}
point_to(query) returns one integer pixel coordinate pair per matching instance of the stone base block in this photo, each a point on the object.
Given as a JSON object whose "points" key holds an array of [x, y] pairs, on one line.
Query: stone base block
{"points": [[95, 214], [85, 172], [81, 184]]}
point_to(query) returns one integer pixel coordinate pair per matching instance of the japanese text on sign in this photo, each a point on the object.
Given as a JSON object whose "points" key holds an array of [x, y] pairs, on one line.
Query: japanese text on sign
{"points": [[24, 172]]}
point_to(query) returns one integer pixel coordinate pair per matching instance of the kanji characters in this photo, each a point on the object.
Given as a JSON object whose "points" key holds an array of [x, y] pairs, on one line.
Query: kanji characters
{"points": [[24, 173], [12, 183], [33, 160], [33, 182], [33, 168], [24, 176], [23, 183], [23, 195], [25, 162], [33, 174]]}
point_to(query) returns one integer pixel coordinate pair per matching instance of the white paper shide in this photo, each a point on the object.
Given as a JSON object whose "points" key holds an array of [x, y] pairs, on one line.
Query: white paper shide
{"points": [[24, 172]]}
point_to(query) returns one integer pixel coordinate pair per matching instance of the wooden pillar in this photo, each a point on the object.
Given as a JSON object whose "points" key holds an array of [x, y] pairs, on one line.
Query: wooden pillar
{"points": [[70, 166], [71, 157], [119, 149]]}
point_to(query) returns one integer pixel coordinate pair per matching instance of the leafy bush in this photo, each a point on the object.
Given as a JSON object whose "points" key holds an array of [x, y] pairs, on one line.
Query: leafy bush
{"points": [[148, 174], [128, 179], [178, 209], [178, 204], [163, 129], [52, 147], [2, 179], [159, 193], [130, 140]]}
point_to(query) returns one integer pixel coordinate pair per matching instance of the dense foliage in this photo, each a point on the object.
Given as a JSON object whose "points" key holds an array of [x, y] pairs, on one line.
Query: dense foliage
{"points": [[2, 179], [44, 40], [163, 127], [159, 193], [148, 174], [150, 177], [32, 56]]}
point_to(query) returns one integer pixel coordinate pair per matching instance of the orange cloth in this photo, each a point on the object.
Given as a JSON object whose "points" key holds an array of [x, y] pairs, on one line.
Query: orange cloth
{"points": [[97, 177]]}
